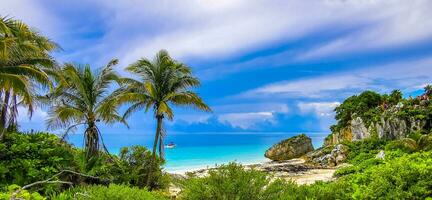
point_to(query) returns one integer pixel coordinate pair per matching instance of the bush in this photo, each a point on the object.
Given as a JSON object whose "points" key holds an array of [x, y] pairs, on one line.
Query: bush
{"points": [[112, 192], [137, 161], [23, 194], [26, 158], [399, 176], [364, 149], [131, 168], [425, 142], [227, 182], [406, 177], [406, 145]]}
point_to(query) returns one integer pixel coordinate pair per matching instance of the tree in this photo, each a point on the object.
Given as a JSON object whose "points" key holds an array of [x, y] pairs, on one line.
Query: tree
{"points": [[24, 63], [163, 82], [82, 99], [395, 97], [428, 90]]}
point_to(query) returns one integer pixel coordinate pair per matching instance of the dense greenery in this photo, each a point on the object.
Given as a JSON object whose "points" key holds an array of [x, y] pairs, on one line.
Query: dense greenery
{"points": [[372, 107], [114, 192], [363, 105], [399, 176], [27, 158], [228, 182]]}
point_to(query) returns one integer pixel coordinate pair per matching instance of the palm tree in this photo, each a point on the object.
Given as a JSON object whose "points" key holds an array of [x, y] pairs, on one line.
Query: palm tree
{"points": [[163, 82], [82, 99], [428, 89], [24, 62]]}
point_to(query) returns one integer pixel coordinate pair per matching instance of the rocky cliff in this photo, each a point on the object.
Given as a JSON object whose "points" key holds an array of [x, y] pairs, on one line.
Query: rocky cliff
{"points": [[290, 148], [389, 126]]}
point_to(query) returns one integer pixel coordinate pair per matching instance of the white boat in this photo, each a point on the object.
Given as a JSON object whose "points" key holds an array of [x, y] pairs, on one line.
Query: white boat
{"points": [[170, 145]]}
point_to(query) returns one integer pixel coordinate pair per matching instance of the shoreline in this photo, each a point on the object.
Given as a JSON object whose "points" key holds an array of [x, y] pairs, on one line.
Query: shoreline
{"points": [[296, 170], [194, 168]]}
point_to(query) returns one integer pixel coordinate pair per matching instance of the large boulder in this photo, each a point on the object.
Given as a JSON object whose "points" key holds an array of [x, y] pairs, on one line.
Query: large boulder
{"points": [[290, 148]]}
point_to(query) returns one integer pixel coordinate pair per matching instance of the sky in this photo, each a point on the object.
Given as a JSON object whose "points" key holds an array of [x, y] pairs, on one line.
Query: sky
{"points": [[265, 66]]}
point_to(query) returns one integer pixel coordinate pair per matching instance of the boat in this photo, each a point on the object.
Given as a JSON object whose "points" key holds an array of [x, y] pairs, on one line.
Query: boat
{"points": [[171, 145]]}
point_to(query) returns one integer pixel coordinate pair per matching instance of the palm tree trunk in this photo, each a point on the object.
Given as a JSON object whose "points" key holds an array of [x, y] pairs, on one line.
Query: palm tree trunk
{"points": [[12, 123], [4, 109], [91, 140], [155, 145], [157, 134], [3, 114]]}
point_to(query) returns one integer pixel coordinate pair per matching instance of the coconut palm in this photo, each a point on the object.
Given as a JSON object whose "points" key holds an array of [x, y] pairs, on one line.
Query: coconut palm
{"points": [[24, 63], [428, 89], [163, 82], [82, 98]]}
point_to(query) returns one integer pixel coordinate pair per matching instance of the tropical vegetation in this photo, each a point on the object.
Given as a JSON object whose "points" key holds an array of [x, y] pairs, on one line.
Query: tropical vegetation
{"points": [[44, 166], [81, 98], [25, 63]]}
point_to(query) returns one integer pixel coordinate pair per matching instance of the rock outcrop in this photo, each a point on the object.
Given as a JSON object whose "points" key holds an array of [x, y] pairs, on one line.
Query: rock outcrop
{"points": [[328, 156], [389, 126], [293, 147]]}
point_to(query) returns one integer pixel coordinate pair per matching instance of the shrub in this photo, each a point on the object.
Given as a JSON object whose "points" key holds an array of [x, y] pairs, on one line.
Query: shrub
{"points": [[137, 161], [23, 194], [399, 176], [406, 144], [425, 142], [130, 168], [112, 192], [230, 181], [406, 177], [26, 158], [364, 149]]}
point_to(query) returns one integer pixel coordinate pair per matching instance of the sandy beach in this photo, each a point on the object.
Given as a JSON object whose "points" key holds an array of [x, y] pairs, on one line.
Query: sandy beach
{"points": [[294, 169]]}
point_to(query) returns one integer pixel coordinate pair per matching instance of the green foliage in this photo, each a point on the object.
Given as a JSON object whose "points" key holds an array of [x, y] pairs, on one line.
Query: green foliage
{"points": [[425, 142], [130, 168], [406, 177], [26, 158], [82, 98], [227, 182], [364, 149], [112, 192], [364, 105], [163, 82], [406, 145], [399, 176], [136, 163], [12, 192]]}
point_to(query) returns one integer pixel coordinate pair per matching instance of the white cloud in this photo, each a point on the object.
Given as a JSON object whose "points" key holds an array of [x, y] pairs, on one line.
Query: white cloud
{"points": [[246, 120], [209, 29], [406, 75], [38, 115], [192, 118], [394, 23], [33, 13], [252, 107], [320, 109], [311, 87], [36, 122]]}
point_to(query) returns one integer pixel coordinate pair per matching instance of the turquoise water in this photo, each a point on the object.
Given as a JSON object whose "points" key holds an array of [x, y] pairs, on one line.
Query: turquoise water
{"points": [[200, 150]]}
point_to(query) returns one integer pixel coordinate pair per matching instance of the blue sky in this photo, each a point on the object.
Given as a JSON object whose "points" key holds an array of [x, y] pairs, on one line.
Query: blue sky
{"points": [[264, 66]]}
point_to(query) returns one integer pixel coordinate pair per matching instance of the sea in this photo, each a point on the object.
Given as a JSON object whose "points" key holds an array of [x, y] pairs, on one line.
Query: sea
{"points": [[203, 150]]}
